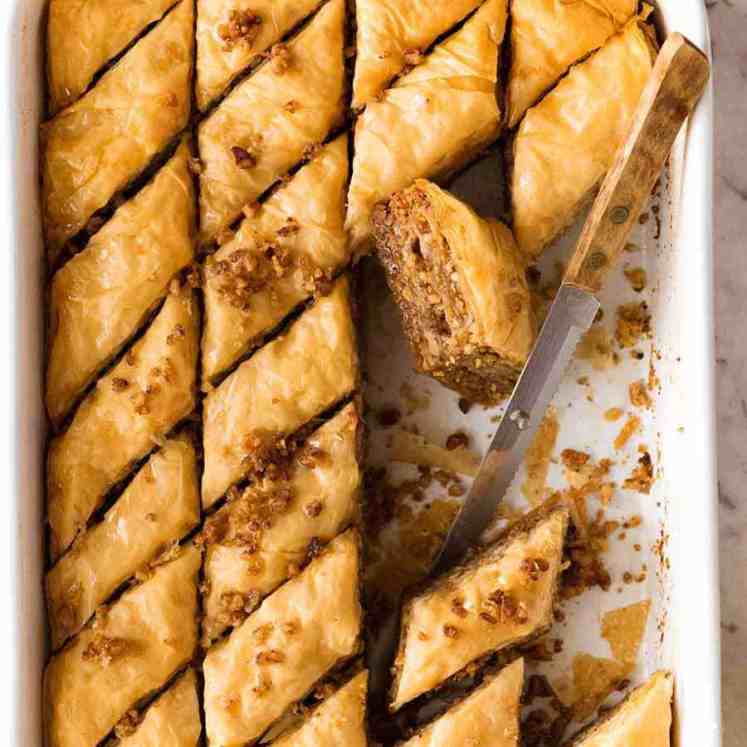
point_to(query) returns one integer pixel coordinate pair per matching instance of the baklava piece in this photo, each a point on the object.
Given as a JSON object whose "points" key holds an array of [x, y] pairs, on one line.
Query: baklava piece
{"points": [[231, 35], [282, 387], [643, 718], [500, 598], [548, 36], [159, 507], [103, 295], [431, 122], [488, 716], [82, 37], [286, 251], [392, 35], [339, 720], [262, 536], [131, 409], [271, 120], [129, 651], [173, 720], [460, 285], [96, 146], [306, 628], [566, 143]]}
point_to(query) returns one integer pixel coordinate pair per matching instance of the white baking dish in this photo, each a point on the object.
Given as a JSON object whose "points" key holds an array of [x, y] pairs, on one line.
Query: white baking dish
{"points": [[681, 429]]}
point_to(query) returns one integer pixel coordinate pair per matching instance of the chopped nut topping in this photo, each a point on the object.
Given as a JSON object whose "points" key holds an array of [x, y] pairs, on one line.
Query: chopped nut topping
{"points": [[280, 59], [177, 334], [262, 633], [119, 385], [534, 567], [104, 649], [291, 627], [242, 27], [243, 158], [127, 725], [506, 607], [313, 509], [291, 106], [263, 686], [271, 656], [457, 440], [457, 607], [450, 631], [412, 57]]}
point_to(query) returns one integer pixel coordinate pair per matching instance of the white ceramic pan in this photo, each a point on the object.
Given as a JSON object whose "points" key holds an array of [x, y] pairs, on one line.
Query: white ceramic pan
{"points": [[683, 631]]}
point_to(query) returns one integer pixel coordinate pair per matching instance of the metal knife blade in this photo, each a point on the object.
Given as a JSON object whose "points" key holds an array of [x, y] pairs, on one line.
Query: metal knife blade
{"points": [[571, 314]]}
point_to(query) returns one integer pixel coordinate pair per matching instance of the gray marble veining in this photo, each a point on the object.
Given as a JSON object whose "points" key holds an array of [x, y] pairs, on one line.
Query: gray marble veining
{"points": [[728, 20]]}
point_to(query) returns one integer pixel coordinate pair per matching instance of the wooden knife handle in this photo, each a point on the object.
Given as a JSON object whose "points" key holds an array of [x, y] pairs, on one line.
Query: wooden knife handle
{"points": [[677, 81]]}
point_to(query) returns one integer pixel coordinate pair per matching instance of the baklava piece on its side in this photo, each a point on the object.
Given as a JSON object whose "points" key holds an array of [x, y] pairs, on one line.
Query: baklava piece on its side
{"points": [[271, 120], [501, 597], [262, 536], [127, 653], [431, 122], [135, 405], [565, 144], [460, 285], [95, 147], [173, 720], [488, 716], [285, 251], [309, 626], [339, 720], [643, 718], [280, 389]]}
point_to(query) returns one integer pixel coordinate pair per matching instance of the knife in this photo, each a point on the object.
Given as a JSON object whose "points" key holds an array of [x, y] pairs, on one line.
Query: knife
{"points": [[678, 79]]}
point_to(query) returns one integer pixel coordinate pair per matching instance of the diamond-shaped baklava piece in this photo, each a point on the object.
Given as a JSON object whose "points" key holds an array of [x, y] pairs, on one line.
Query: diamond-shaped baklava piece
{"points": [[262, 536], [392, 34], [488, 716], [548, 36], [285, 252], [103, 295], [643, 718], [92, 149], [566, 143], [137, 403], [339, 720], [431, 121], [232, 35], [82, 37], [501, 597], [173, 720], [159, 506], [307, 627], [129, 651], [270, 120], [460, 285], [282, 387]]}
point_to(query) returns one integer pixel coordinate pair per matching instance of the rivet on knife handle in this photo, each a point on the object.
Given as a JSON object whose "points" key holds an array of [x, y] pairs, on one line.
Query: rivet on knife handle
{"points": [[676, 83]]}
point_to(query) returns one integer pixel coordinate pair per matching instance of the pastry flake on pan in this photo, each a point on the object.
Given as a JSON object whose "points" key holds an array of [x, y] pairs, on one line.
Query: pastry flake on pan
{"points": [[137, 403], [267, 123], [548, 36], [159, 506], [232, 35], [461, 289], [643, 718], [566, 143], [96, 146], [128, 652], [502, 597], [173, 720], [84, 35], [488, 716], [309, 501], [302, 631], [391, 34], [339, 720], [431, 122], [102, 296], [280, 256], [279, 389]]}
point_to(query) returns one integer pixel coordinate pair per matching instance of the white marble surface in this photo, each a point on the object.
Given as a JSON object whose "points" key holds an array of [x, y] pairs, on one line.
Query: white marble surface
{"points": [[729, 31]]}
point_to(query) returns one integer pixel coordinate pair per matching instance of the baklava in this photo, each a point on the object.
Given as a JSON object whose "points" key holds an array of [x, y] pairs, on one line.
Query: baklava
{"points": [[92, 149], [643, 718], [566, 143], [502, 597], [299, 634], [461, 288], [270, 120], [431, 122], [488, 716]]}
